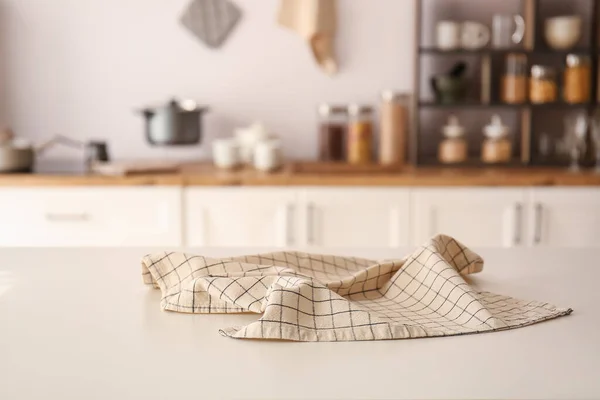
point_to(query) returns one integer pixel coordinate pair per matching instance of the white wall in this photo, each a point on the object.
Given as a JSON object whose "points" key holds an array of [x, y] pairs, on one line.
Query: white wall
{"points": [[80, 67]]}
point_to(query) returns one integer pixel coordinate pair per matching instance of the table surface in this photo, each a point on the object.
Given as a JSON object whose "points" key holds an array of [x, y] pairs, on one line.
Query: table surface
{"points": [[79, 324]]}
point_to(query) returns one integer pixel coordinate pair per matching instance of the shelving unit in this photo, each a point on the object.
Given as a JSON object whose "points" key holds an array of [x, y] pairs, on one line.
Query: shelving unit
{"points": [[528, 121]]}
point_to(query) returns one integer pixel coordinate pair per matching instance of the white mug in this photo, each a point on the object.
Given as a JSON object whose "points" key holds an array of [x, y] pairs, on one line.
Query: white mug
{"points": [[448, 35], [474, 35], [268, 155], [226, 153]]}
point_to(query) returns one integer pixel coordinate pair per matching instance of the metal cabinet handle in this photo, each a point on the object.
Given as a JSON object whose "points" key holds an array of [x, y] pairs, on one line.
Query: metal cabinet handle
{"points": [[289, 224], [55, 217], [310, 224], [539, 215], [518, 223]]}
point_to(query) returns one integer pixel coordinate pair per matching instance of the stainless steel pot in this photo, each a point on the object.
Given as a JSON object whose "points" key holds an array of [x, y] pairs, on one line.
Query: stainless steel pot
{"points": [[177, 123], [16, 159]]}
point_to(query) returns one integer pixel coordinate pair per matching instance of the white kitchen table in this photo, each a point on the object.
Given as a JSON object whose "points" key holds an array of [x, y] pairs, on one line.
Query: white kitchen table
{"points": [[79, 324]]}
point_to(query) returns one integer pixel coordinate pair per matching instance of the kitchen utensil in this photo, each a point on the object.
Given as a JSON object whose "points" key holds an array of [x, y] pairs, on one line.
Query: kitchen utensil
{"points": [[268, 155], [129, 168], [360, 134], [448, 35], [333, 129], [507, 30], [453, 129], [474, 35], [449, 90], [316, 22], [247, 139], [16, 157], [496, 129], [226, 153], [496, 148], [211, 21], [514, 83], [393, 137], [453, 149], [563, 32], [576, 128], [176, 123]]}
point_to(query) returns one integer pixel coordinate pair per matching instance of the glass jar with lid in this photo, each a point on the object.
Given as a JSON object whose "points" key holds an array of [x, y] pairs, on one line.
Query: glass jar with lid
{"points": [[543, 87], [360, 134], [333, 128], [514, 80], [578, 79]]}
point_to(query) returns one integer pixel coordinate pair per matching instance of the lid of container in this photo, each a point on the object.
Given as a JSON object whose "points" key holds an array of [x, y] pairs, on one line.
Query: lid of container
{"points": [[496, 129], [393, 96], [542, 72], [358, 109], [575, 60], [453, 129], [325, 109]]}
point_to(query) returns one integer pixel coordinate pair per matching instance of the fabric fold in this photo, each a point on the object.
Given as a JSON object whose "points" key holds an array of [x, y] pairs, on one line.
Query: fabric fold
{"points": [[308, 297]]}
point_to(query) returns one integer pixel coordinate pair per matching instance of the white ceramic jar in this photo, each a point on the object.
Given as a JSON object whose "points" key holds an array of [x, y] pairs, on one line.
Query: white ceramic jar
{"points": [[268, 155], [226, 153]]}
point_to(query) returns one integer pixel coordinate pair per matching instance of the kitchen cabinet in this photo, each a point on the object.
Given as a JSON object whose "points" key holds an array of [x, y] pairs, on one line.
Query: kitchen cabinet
{"points": [[240, 217], [355, 217], [561, 217], [90, 217], [478, 217]]}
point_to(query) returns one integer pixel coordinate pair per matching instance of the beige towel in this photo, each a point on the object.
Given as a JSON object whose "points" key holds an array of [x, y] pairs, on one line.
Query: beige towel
{"points": [[315, 21], [307, 297]]}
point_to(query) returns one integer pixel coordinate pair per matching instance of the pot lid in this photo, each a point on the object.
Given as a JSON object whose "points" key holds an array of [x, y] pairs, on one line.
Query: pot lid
{"points": [[496, 129], [453, 129]]}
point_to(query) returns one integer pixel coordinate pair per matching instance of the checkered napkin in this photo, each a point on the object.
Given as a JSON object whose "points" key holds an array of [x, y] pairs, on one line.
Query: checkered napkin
{"points": [[306, 297]]}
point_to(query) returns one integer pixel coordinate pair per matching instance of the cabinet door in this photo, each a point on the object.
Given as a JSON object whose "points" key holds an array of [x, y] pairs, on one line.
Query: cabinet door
{"points": [[355, 217], [239, 217], [93, 216], [565, 217], [476, 217]]}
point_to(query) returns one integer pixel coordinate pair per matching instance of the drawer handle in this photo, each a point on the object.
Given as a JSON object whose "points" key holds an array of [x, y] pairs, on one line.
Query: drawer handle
{"points": [[310, 224], [56, 217], [518, 223], [539, 215]]}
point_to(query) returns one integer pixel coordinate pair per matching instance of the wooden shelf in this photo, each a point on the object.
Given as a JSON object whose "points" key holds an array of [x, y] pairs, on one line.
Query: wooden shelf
{"points": [[474, 104], [489, 51]]}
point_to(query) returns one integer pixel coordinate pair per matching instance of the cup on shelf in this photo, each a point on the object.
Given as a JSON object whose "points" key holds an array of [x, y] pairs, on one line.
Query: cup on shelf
{"points": [[474, 35], [563, 32], [508, 30], [448, 35]]}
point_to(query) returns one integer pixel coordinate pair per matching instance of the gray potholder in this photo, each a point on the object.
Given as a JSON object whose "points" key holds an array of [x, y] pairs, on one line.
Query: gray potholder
{"points": [[211, 21]]}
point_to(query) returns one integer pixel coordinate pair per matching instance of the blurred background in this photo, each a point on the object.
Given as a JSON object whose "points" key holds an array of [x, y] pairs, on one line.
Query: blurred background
{"points": [[299, 123]]}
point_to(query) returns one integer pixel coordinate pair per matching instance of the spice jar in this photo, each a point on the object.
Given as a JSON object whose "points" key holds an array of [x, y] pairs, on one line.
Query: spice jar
{"points": [[453, 149], [577, 79], [333, 126], [496, 148], [543, 87], [394, 127], [514, 80], [360, 134]]}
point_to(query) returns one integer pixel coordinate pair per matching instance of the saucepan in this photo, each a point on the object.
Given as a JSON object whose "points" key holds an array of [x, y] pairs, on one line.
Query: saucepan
{"points": [[179, 122], [17, 155]]}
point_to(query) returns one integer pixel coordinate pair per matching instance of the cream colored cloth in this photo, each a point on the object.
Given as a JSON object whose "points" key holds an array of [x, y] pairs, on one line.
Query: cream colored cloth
{"points": [[315, 21], [305, 297]]}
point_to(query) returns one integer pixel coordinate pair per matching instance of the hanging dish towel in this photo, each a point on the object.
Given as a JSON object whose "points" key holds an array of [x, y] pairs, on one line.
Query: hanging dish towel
{"points": [[305, 297], [315, 21]]}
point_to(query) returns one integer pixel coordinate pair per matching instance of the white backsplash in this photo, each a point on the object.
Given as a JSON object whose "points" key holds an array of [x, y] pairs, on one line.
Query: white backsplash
{"points": [[81, 67]]}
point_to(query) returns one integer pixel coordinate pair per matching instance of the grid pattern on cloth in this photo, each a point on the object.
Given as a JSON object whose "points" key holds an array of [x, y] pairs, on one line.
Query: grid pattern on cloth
{"points": [[307, 297]]}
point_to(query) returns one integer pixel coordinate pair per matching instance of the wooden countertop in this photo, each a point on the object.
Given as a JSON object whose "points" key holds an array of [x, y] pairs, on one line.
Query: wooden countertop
{"points": [[206, 175]]}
